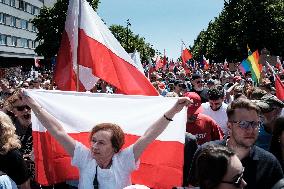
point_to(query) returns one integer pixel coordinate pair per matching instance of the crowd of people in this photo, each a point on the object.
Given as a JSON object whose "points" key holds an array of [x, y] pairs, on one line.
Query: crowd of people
{"points": [[234, 132]]}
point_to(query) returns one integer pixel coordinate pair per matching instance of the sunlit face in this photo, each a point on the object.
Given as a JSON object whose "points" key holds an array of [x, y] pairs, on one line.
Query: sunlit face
{"points": [[233, 175], [243, 137], [22, 112], [216, 104], [198, 84], [101, 145]]}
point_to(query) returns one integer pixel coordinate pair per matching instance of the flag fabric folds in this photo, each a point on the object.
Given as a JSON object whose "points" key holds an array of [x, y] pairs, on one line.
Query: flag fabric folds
{"points": [[186, 55], [279, 88], [161, 163], [89, 49], [252, 64]]}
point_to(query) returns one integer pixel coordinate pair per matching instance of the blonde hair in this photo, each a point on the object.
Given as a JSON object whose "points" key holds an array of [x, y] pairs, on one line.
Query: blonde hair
{"points": [[8, 138]]}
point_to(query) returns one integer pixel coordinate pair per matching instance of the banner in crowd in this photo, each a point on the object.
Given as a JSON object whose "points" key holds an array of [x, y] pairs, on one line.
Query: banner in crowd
{"points": [[89, 51], [161, 163]]}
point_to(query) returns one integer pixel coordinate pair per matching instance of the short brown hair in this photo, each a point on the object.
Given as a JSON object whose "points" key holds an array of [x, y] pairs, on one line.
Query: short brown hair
{"points": [[241, 103], [117, 139]]}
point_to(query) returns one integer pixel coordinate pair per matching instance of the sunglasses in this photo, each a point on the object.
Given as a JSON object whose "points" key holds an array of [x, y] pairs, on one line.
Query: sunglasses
{"points": [[198, 82], [247, 124], [236, 182], [22, 108]]}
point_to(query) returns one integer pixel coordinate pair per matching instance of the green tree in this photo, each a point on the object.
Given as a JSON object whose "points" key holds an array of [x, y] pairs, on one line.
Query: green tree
{"points": [[130, 42], [50, 24], [256, 23]]}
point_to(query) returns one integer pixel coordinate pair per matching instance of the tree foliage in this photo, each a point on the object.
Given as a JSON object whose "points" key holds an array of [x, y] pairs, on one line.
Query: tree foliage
{"points": [[50, 24], [259, 24], [130, 42]]}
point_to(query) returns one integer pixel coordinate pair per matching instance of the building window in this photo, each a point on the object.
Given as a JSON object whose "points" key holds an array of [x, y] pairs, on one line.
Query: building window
{"points": [[21, 4], [24, 43], [14, 41], [3, 18], [35, 10], [13, 21], [3, 39], [24, 24], [12, 3], [34, 28], [33, 44]]}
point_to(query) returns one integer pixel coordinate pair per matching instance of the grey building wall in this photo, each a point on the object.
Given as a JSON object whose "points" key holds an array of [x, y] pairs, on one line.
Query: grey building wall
{"points": [[17, 33]]}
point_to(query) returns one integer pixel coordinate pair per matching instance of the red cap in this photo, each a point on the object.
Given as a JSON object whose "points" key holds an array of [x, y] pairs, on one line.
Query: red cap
{"points": [[195, 107]]}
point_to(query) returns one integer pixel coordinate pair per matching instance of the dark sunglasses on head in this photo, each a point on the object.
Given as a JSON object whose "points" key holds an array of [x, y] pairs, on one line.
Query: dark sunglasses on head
{"points": [[22, 108], [248, 124], [237, 181]]}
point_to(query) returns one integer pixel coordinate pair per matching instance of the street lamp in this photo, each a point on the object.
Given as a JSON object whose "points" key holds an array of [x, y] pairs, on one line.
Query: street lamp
{"points": [[127, 33]]}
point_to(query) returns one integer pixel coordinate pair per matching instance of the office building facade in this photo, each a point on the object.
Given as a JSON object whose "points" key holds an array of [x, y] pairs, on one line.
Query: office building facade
{"points": [[17, 33]]}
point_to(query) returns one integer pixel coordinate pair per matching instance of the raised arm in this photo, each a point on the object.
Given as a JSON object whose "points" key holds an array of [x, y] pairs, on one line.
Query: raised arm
{"points": [[158, 127], [51, 124]]}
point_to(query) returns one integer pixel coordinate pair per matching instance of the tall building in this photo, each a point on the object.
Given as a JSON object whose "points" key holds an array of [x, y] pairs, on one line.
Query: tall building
{"points": [[17, 33]]}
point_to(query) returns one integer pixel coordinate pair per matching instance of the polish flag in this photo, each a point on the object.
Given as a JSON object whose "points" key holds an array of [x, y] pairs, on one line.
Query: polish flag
{"points": [[89, 49], [279, 86], [161, 164], [186, 55]]}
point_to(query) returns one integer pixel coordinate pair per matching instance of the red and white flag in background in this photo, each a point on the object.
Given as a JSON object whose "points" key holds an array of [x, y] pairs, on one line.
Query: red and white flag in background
{"points": [[90, 49], [161, 164], [37, 63]]}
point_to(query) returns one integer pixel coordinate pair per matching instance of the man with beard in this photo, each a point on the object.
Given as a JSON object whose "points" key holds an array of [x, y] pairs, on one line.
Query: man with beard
{"points": [[262, 170], [271, 108], [203, 127], [216, 108], [198, 87]]}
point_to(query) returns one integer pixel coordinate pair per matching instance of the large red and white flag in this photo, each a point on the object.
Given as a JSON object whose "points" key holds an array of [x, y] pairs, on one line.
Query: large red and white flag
{"points": [[161, 163], [89, 49]]}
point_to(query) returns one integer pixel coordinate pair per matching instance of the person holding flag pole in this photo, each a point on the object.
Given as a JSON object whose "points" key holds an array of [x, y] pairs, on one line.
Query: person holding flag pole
{"points": [[104, 165]]}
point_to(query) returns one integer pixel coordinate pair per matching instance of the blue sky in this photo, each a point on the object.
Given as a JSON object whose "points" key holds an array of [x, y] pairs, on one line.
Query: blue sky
{"points": [[163, 23]]}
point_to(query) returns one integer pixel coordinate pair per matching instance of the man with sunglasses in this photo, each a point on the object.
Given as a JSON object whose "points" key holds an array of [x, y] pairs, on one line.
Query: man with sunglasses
{"points": [[262, 170], [198, 87]]}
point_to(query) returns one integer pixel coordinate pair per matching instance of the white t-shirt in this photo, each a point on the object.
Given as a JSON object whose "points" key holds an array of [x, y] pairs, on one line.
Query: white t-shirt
{"points": [[117, 176], [220, 116]]}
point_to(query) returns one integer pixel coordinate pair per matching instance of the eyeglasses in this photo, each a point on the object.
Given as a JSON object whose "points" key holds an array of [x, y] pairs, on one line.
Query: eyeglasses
{"points": [[22, 108], [198, 82], [238, 181], [247, 124]]}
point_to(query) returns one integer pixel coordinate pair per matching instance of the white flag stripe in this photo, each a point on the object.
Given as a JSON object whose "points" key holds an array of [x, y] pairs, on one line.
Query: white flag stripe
{"points": [[87, 78], [79, 112], [97, 30], [71, 28]]}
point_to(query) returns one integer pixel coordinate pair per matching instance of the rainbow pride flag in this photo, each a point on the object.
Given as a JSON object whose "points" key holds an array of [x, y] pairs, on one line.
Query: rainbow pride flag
{"points": [[252, 64]]}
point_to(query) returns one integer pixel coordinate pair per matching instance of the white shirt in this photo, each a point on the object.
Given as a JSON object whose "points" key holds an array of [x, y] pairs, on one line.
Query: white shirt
{"points": [[117, 176], [220, 116]]}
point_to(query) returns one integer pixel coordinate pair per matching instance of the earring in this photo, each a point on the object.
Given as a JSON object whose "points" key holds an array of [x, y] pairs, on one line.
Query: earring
{"points": [[279, 140]]}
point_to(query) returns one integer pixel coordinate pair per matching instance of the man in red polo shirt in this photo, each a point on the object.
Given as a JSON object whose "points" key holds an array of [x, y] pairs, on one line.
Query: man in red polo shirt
{"points": [[202, 126]]}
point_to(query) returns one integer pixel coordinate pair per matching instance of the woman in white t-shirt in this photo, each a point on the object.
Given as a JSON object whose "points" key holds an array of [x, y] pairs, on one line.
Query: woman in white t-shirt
{"points": [[104, 165]]}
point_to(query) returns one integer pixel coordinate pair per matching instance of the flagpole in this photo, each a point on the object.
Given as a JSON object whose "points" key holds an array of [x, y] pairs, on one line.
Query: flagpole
{"points": [[78, 70]]}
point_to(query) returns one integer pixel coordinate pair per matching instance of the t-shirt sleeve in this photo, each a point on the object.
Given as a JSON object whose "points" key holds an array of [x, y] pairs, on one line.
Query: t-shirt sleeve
{"points": [[217, 133], [18, 170], [81, 155], [127, 159]]}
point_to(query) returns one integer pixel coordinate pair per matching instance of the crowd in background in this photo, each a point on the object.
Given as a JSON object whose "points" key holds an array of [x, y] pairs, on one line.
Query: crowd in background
{"points": [[212, 90]]}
